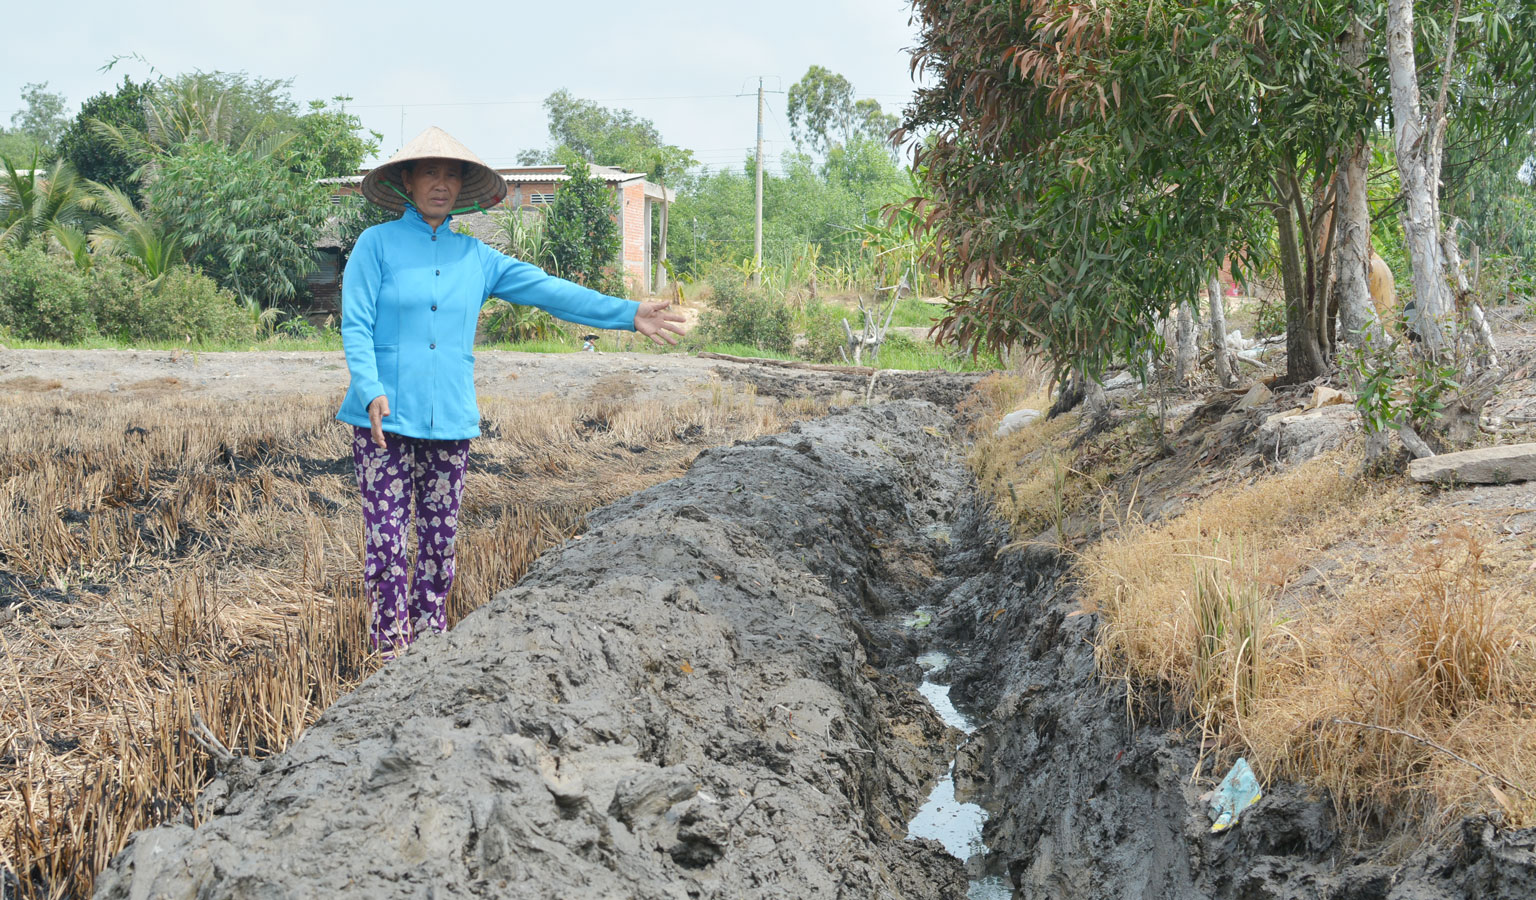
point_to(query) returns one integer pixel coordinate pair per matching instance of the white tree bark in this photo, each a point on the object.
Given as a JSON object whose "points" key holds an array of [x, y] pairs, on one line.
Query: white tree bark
{"points": [[1419, 140], [1352, 287], [1352, 261], [1481, 332], [1223, 362], [1187, 351]]}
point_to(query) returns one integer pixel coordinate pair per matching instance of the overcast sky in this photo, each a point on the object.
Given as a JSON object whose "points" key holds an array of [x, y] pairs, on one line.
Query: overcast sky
{"points": [[481, 70]]}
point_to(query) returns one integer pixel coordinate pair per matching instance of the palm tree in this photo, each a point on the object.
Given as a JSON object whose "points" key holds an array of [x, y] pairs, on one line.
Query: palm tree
{"points": [[38, 202], [142, 243]]}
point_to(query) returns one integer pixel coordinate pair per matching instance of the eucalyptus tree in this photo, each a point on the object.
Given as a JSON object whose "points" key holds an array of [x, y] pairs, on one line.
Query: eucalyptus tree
{"points": [[1481, 66], [582, 131], [823, 112], [1088, 164], [1084, 157], [41, 120]]}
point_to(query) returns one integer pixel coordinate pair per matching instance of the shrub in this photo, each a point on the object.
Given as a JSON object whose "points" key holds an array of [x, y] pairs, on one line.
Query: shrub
{"points": [[511, 323], [189, 306], [741, 315], [44, 297], [184, 305], [822, 327]]}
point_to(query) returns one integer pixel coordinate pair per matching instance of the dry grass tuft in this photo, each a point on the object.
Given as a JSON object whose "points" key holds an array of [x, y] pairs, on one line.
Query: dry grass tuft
{"points": [[1045, 477], [180, 583], [1349, 641]]}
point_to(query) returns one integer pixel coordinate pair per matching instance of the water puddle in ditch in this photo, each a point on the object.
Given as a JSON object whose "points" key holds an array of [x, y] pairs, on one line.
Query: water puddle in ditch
{"points": [[944, 818]]}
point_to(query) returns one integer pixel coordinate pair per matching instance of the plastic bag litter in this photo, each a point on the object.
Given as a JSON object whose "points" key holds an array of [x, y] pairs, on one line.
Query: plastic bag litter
{"points": [[1238, 791], [920, 619]]}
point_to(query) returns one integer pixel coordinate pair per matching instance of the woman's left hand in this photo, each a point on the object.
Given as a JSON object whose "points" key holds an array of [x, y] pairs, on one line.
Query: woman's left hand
{"points": [[653, 321]]}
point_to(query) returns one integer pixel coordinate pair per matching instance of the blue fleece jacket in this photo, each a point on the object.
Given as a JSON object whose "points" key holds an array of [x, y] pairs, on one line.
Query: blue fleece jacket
{"points": [[410, 299]]}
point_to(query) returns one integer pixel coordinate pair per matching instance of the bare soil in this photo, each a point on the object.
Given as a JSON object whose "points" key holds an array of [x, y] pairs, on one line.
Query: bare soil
{"points": [[244, 375]]}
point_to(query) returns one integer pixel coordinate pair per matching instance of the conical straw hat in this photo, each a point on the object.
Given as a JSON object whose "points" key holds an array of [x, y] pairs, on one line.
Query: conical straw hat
{"points": [[483, 186]]}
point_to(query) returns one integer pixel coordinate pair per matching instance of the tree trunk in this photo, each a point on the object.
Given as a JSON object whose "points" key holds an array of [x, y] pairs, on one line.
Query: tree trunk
{"points": [[1351, 287], [1319, 238], [661, 264], [1352, 262], [1224, 372], [1418, 142], [1304, 358], [1187, 351]]}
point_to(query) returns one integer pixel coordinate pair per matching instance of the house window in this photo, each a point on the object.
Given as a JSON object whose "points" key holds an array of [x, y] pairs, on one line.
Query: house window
{"points": [[541, 198]]}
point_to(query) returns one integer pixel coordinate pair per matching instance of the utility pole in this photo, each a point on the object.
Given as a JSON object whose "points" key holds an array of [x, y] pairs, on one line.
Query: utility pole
{"points": [[757, 225], [757, 230]]}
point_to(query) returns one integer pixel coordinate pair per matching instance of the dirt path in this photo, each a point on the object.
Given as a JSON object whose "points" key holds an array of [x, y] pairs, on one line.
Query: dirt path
{"points": [[233, 375]]}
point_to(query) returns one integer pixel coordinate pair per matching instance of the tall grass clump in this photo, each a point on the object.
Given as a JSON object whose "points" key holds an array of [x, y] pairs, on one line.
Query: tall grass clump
{"points": [[1329, 650], [1230, 621]]}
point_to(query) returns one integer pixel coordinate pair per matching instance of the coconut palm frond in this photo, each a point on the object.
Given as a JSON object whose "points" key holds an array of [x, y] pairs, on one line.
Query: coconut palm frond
{"points": [[128, 234], [73, 241], [33, 203]]}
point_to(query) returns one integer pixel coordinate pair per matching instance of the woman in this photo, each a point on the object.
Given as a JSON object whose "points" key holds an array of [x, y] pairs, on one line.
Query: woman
{"points": [[411, 298]]}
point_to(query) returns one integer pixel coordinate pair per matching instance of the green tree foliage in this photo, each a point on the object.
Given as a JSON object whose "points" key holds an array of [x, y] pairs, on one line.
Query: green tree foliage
{"points": [[37, 203], [582, 131], [229, 108], [582, 233], [93, 155], [1084, 170], [35, 128], [327, 141], [823, 113], [822, 204], [246, 219]]}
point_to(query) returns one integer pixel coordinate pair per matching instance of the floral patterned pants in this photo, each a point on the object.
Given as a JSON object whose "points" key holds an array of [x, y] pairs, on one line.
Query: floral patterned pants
{"points": [[432, 474]]}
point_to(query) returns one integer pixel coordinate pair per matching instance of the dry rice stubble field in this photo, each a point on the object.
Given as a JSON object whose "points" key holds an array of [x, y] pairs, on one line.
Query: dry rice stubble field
{"points": [[180, 578]]}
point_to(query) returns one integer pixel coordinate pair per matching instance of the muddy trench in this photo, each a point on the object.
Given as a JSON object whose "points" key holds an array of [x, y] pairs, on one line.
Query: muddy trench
{"points": [[727, 688]]}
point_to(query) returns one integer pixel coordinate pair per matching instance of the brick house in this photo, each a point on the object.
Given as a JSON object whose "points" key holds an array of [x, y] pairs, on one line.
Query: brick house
{"points": [[530, 188]]}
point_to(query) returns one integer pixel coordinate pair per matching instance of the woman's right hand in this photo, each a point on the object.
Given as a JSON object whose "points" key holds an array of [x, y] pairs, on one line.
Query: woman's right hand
{"points": [[377, 411]]}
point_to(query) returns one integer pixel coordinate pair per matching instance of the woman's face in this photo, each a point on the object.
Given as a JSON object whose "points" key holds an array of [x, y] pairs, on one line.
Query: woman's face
{"points": [[434, 185]]}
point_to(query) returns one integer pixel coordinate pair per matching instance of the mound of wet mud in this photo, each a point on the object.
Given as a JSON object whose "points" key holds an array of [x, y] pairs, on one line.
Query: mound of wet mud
{"points": [[946, 389], [1087, 804], [683, 702]]}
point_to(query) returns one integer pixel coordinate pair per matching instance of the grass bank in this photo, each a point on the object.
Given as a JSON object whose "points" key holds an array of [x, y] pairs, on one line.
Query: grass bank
{"points": [[1367, 637]]}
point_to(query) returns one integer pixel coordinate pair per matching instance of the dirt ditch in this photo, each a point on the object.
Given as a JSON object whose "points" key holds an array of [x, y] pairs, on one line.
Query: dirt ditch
{"points": [[690, 700], [1085, 803], [712, 692]]}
